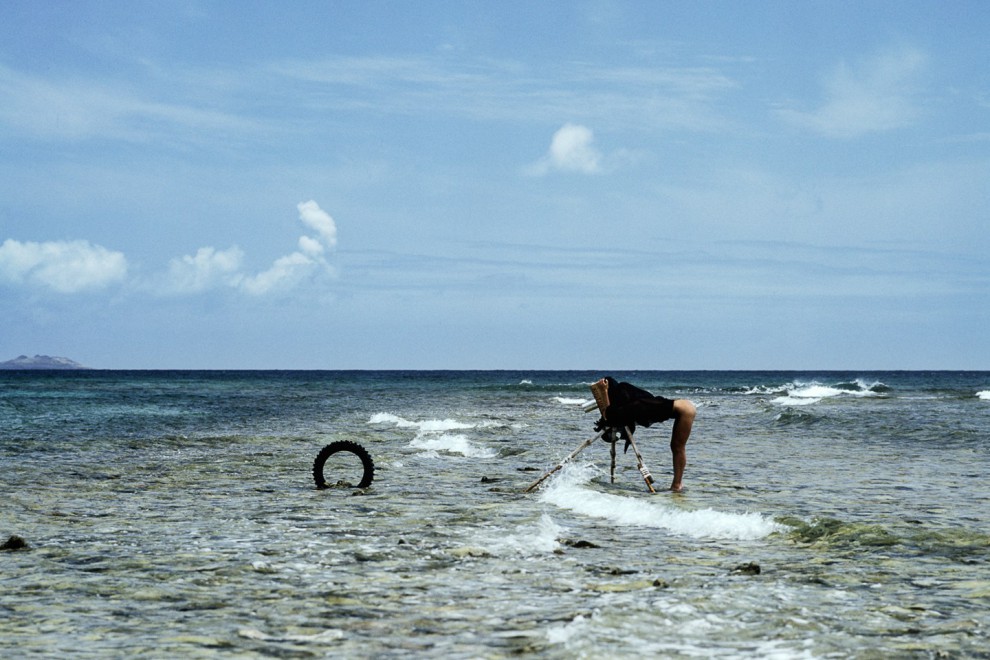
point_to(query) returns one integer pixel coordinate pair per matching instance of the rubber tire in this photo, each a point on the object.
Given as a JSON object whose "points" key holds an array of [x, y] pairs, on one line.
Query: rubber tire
{"points": [[339, 446]]}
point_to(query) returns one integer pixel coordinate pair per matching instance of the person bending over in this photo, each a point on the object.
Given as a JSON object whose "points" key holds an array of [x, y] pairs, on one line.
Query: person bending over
{"points": [[627, 406]]}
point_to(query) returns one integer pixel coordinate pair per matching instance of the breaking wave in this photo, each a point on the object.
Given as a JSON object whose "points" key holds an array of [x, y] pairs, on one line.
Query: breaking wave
{"points": [[804, 394], [568, 491], [435, 437]]}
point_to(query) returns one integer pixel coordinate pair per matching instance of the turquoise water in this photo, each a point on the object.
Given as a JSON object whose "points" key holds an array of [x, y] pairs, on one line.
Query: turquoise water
{"points": [[174, 514]]}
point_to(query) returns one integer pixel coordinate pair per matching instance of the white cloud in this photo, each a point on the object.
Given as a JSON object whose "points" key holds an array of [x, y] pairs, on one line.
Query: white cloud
{"points": [[310, 246], [204, 270], [293, 268], [284, 272], [62, 266], [878, 96], [210, 268], [571, 150], [77, 266], [316, 218]]}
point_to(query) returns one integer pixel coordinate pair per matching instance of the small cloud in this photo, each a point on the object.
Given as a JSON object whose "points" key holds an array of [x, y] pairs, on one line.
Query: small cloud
{"points": [[875, 97], [206, 269], [316, 218], [571, 150], [62, 266]]}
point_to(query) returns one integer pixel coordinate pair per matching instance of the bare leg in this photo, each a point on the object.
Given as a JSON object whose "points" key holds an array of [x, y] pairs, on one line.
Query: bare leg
{"points": [[684, 412]]}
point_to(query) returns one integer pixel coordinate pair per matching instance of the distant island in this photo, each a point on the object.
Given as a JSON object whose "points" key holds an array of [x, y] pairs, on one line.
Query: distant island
{"points": [[41, 362]]}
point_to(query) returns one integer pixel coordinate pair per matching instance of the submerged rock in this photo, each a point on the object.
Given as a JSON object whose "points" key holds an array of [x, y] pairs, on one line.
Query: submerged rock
{"points": [[611, 570], [836, 532], [752, 568], [470, 551], [14, 543], [620, 587]]}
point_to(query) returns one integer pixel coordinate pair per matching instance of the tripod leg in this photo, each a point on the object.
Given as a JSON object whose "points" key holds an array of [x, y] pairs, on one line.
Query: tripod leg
{"points": [[584, 445], [612, 451], [647, 477]]}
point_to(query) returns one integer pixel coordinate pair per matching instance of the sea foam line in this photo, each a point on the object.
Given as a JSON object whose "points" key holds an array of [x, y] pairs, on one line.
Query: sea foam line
{"points": [[569, 401], [427, 426], [433, 438], [567, 491]]}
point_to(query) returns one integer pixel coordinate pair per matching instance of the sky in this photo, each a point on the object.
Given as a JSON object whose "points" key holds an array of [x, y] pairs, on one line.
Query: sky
{"points": [[427, 184]]}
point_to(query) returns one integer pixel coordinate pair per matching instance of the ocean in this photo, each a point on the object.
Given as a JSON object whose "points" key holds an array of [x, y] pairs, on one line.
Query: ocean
{"points": [[175, 514]]}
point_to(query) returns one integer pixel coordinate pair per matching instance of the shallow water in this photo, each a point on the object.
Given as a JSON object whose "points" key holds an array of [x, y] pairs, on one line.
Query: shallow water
{"points": [[174, 514]]}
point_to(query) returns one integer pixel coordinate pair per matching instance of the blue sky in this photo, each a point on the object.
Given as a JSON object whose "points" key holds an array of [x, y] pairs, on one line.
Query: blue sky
{"points": [[589, 185]]}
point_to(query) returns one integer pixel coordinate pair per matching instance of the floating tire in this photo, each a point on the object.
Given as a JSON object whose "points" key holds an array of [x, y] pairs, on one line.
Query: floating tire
{"points": [[336, 448]]}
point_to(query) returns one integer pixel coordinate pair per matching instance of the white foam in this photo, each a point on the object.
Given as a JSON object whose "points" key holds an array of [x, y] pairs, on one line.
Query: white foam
{"points": [[426, 426], [804, 394], [330, 635], [387, 418], [794, 401], [568, 401], [985, 395], [534, 539], [562, 634], [766, 389], [568, 491], [432, 435], [451, 444]]}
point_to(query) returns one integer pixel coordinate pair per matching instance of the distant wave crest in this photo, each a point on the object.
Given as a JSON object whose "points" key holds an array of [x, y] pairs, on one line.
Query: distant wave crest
{"points": [[804, 394]]}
